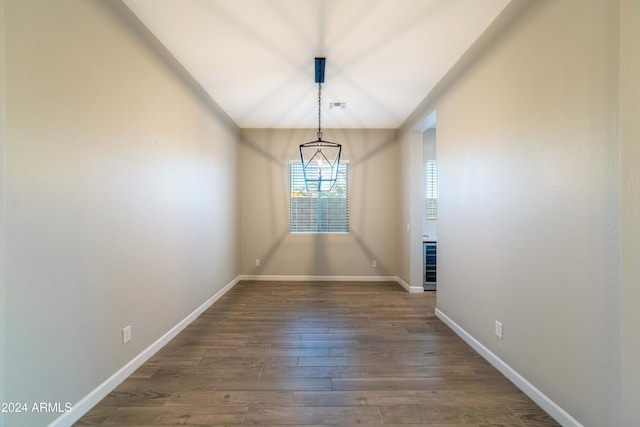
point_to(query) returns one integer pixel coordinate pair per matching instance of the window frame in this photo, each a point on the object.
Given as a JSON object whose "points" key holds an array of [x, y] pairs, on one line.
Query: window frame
{"points": [[342, 176], [431, 189]]}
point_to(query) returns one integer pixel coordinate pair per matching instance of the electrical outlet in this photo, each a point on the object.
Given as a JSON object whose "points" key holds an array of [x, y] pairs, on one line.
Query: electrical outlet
{"points": [[126, 334], [374, 263], [257, 262], [499, 329]]}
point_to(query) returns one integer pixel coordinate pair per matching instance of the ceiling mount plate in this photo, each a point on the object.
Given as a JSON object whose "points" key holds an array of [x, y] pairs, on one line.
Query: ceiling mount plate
{"points": [[320, 62]]}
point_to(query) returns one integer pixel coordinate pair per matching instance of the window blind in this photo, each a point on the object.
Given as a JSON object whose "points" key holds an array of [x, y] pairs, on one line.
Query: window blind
{"points": [[431, 189], [312, 211]]}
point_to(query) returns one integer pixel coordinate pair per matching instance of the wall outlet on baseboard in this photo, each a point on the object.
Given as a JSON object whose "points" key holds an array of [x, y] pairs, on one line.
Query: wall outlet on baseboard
{"points": [[126, 334], [499, 329], [374, 263], [257, 262]]}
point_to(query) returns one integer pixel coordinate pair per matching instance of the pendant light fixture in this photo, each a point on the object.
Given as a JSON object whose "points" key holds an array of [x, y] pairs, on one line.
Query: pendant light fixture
{"points": [[320, 158]]}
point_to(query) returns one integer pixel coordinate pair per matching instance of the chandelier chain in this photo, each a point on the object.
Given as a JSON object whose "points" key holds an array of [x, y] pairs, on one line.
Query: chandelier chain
{"points": [[319, 111]]}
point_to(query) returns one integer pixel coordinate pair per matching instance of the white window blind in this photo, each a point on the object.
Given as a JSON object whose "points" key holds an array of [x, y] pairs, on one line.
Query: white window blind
{"points": [[311, 211], [431, 189]]}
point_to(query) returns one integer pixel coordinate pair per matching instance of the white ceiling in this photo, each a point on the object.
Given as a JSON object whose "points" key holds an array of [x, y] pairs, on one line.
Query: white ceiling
{"points": [[255, 58]]}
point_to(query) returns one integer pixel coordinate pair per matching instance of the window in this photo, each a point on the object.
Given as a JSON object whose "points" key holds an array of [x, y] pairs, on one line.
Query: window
{"points": [[431, 189], [312, 211]]}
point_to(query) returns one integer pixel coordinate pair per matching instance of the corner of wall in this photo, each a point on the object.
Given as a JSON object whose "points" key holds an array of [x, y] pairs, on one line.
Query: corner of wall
{"points": [[123, 13], [410, 218]]}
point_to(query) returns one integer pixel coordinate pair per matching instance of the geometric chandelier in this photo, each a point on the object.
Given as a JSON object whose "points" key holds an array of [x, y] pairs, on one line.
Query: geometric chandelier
{"points": [[320, 158]]}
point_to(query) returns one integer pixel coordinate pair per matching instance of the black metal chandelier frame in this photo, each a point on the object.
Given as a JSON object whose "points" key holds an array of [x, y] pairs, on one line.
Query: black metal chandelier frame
{"points": [[320, 158]]}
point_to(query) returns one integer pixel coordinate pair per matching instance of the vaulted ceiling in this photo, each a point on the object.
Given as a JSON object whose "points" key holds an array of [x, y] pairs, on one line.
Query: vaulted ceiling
{"points": [[255, 58]]}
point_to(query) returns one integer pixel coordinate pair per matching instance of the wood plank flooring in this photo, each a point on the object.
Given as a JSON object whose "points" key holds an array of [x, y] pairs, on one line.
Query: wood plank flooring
{"points": [[317, 354]]}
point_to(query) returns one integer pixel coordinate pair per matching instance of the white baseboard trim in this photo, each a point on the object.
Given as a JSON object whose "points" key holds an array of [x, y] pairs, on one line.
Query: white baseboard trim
{"points": [[291, 278], [95, 396], [409, 288], [553, 409]]}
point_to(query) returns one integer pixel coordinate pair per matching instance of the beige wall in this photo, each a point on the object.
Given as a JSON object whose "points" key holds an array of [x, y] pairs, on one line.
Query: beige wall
{"points": [[630, 156], [264, 157], [120, 197], [3, 309], [409, 229], [529, 217]]}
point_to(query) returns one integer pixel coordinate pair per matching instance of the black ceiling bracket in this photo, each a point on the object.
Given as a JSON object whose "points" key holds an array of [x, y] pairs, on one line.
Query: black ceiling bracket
{"points": [[320, 70]]}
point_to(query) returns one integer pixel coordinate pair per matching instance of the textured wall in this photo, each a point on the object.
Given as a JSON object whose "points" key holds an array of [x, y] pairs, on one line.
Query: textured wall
{"points": [[528, 156], [3, 310], [120, 193], [630, 197]]}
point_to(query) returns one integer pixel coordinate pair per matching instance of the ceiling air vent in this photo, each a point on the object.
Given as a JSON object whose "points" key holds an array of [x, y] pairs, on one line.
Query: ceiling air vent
{"points": [[341, 105]]}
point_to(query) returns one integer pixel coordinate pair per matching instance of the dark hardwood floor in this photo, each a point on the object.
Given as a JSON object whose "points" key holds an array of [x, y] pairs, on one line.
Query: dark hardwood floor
{"points": [[318, 354]]}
